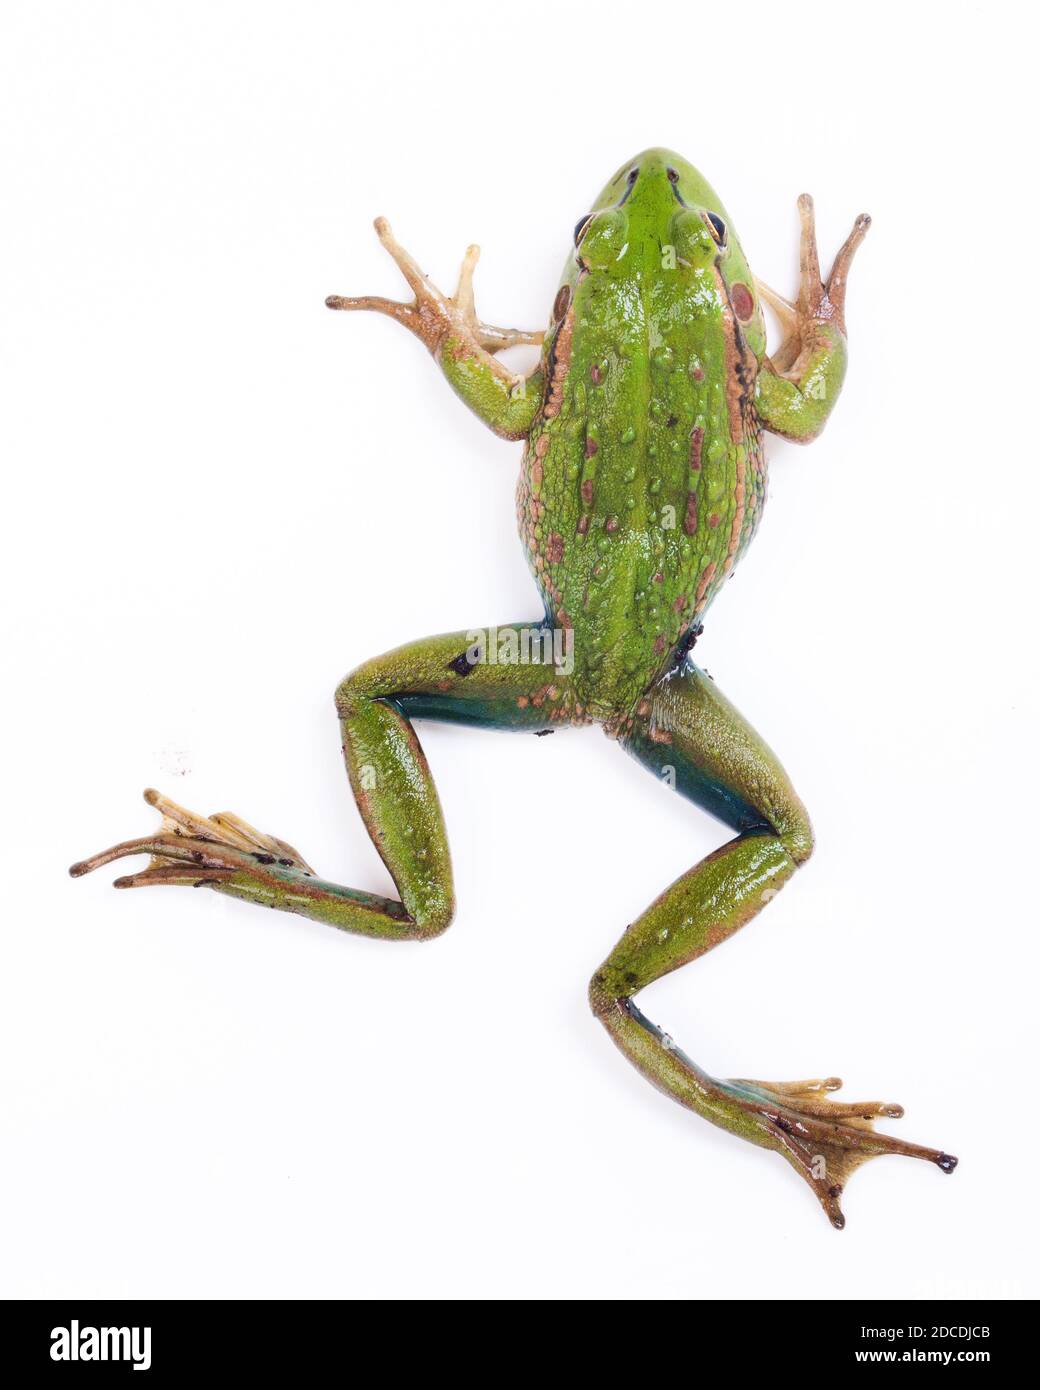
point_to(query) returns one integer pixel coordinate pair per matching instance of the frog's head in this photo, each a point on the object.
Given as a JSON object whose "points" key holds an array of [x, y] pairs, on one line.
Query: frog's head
{"points": [[658, 216]]}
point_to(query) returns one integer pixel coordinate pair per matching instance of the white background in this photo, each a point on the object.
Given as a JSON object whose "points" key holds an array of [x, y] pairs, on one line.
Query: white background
{"points": [[220, 497]]}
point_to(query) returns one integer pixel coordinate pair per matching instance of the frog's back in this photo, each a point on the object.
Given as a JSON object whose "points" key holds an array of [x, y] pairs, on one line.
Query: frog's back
{"points": [[643, 478]]}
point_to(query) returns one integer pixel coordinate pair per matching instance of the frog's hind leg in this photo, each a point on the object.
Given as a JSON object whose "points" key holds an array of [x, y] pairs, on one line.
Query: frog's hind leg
{"points": [[687, 730], [504, 678]]}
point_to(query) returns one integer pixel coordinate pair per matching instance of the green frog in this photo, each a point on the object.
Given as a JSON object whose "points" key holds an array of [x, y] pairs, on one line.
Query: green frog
{"points": [[642, 483]]}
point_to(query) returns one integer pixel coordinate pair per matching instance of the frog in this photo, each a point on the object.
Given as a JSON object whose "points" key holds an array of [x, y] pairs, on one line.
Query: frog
{"points": [[642, 483]]}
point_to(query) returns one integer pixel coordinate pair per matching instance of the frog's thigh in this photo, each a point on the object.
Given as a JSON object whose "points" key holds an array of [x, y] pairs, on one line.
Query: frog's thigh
{"points": [[506, 677], [691, 736], [450, 677]]}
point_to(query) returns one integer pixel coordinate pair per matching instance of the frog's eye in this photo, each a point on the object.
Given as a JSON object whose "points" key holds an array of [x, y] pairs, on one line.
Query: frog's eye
{"points": [[717, 227], [582, 227]]}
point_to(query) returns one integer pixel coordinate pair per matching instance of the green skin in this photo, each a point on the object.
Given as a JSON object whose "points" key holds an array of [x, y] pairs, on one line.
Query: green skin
{"points": [[642, 483]]}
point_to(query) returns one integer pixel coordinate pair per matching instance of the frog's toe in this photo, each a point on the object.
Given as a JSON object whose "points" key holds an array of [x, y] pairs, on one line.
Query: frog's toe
{"points": [[826, 1140], [191, 849], [812, 1098]]}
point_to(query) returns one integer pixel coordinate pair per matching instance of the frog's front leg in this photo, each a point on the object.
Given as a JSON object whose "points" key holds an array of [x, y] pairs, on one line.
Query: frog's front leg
{"points": [[688, 732], [452, 677], [796, 389], [462, 345]]}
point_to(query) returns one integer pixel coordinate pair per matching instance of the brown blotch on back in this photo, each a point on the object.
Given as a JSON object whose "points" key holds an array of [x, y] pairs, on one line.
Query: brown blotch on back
{"points": [[696, 445], [587, 489], [554, 549], [591, 448], [563, 345], [690, 520]]}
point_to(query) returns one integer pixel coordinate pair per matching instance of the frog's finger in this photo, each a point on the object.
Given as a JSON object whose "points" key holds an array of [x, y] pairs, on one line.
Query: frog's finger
{"points": [[418, 282], [464, 289], [838, 279], [393, 308], [494, 339], [810, 288]]}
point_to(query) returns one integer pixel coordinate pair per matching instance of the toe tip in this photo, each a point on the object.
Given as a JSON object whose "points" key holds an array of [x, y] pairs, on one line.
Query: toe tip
{"points": [[78, 870], [946, 1162]]}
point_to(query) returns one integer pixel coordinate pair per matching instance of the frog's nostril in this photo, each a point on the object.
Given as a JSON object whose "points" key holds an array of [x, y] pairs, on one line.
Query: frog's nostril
{"points": [[633, 174]]}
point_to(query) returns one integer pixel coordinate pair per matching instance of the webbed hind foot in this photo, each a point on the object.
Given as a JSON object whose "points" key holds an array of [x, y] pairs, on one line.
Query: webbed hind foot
{"points": [[196, 850], [826, 1140]]}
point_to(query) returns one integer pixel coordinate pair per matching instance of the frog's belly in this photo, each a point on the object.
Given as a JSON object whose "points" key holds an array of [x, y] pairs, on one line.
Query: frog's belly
{"points": [[630, 553]]}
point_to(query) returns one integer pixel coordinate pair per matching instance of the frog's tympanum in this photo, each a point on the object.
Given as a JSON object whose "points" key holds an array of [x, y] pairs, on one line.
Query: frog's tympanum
{"points": [[642, 483]]}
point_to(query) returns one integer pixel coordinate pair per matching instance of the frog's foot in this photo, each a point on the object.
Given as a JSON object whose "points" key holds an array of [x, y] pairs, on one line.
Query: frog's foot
{"points": [[818, 303], [825, 1140], [434, 317], [198, 850]]}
